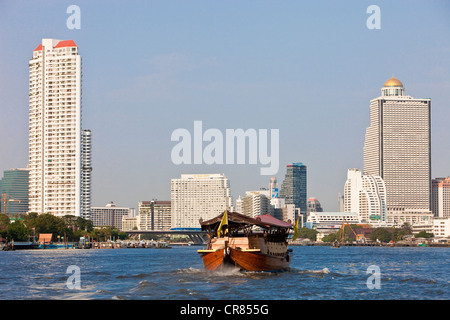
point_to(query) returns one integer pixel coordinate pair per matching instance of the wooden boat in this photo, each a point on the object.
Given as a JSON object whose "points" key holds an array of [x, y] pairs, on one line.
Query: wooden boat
{"points": [[250, 244], [336, 244]]}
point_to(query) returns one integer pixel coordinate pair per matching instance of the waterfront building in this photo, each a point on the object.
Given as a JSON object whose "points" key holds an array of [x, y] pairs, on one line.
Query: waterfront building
{"points": [[14, 191], [441, 228], [365, 195], [397, 148], [196, 196], [330, 220], [110, 215], [441, 197], [293, 188], [397, 218], [155, 215], [59, 150]]}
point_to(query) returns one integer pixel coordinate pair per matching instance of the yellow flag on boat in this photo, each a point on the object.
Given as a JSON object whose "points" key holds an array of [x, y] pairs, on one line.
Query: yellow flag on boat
{"points": [[295, 230], [224, 222]]}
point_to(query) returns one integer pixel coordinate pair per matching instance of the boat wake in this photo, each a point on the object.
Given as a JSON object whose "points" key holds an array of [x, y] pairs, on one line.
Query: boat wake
{"points": [[222, 273], [320, 272]]}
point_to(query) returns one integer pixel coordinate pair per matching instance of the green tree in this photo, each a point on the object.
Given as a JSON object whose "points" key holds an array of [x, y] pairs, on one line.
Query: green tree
{"points": [[85, 225], [105, 233], [48, 223], [398, 234], [123, 235], [4, 220], [17, 231], [424, 234], [330, 237], [381, 234], [308, 233], [407, 228]]}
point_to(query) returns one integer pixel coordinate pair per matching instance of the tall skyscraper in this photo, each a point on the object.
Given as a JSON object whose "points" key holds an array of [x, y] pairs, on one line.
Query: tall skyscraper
{"points": [[196, 196], [398, 148], [14, 190], [59, 151], [441, 197], [293, 188], [365, 195]]}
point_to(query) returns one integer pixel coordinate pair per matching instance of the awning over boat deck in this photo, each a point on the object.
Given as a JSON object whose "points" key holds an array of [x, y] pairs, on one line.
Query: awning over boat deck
{"points": [[236, 219], [272, 221], [45, 237]]}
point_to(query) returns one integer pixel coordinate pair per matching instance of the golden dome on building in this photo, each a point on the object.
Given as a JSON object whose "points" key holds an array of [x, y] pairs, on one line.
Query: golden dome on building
{"points": [[393, 83]]}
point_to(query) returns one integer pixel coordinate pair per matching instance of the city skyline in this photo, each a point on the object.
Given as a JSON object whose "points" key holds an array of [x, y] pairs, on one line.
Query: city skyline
{"points": [[255, 66]]}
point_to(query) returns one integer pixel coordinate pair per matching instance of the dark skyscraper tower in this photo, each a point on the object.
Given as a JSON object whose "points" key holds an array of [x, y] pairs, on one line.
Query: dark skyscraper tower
{"points": [[293, 189]]}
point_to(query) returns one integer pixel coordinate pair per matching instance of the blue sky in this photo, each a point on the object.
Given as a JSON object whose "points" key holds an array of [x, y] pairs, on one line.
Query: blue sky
{"points": [[307, 68]]}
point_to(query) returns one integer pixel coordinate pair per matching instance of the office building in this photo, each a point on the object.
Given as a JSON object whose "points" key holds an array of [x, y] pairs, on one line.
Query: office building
{"points": [[441, 197], [110, 215], [155, 215], [196, 196], [293, 188], [14, 191], [59, 155], [397, 148]]}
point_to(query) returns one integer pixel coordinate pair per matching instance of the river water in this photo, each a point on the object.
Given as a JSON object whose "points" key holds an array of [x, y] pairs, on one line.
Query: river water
{"points": [[317, 273]]}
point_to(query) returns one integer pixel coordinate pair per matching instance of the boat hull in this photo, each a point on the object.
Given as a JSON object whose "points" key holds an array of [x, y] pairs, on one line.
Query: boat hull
{"points": [[215, 260], [256, 261], [221, 259]]}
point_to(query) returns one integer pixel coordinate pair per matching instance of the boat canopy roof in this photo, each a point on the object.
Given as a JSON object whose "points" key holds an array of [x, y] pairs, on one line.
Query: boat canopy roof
{"points": [[237, 220]]}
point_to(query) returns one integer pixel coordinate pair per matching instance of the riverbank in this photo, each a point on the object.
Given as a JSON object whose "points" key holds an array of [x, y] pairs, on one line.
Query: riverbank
{"points": [[354, 244], [168, 245]]}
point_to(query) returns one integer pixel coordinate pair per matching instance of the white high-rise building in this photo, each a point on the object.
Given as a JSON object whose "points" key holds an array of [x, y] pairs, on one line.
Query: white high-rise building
{"points": [[398, 148], [256, 203], [196, 196], [59, 151], [155, 215], [365, 195], [86, 168]]}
